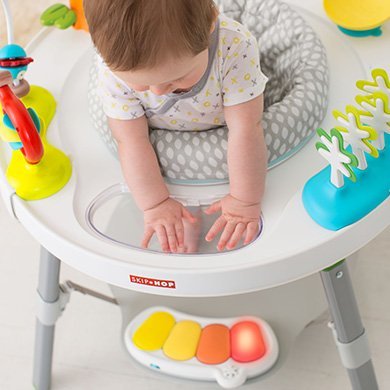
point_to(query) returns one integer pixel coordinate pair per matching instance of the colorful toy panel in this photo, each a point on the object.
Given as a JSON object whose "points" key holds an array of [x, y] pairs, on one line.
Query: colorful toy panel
{"points": [[227, 350]]}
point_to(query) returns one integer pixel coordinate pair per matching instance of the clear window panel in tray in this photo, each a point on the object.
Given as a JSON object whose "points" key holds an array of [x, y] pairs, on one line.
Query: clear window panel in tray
{"points": [[114, 216]]}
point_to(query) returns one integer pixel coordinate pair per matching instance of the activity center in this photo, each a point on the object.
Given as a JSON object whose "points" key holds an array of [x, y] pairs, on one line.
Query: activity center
{"points": [[226, 318]]}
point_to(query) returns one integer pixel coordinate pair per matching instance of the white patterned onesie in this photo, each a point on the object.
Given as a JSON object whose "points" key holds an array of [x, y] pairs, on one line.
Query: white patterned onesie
{"points": [[233, 76]]}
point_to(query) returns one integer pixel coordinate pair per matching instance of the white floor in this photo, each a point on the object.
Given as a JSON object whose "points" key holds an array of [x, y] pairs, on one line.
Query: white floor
{"points": [[88, 353]]}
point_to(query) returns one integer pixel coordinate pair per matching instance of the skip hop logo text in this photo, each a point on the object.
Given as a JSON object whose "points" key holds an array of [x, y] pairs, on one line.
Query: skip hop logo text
{"points": [[152, 282]]}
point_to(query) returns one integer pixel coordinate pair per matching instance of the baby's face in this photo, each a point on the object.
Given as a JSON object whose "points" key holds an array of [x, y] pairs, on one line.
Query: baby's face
{"points": [[176, 75]]}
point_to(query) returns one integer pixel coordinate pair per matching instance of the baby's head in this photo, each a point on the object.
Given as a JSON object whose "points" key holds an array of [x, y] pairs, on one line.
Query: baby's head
{"points": [[161, 45]]}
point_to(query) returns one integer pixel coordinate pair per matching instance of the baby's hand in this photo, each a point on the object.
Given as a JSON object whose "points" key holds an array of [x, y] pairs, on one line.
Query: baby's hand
{"points": [[165, 219], [237, 216]]}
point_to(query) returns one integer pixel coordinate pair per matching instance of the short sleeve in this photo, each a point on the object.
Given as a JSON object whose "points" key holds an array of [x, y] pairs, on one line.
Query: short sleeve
{"points": [[118, 99], [242, 78]]}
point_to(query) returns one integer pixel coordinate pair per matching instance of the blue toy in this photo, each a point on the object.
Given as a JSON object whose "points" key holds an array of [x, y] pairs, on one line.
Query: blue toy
{"points": [[14, 59], [333, 203]]}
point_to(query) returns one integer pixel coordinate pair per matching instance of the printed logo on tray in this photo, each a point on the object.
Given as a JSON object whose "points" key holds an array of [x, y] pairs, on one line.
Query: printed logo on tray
{"points": [[152, 282]]}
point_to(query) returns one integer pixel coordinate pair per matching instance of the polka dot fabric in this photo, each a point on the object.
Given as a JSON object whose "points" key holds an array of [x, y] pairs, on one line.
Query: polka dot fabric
{"points": [[294, 60], [192, 155]]}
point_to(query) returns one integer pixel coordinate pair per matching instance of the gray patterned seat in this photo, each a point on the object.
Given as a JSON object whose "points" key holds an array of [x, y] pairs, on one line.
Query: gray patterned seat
{"points": [[293, 58]]}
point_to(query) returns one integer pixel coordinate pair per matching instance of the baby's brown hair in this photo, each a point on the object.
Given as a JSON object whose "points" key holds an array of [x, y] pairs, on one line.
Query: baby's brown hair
{"points": [[139, 34]]}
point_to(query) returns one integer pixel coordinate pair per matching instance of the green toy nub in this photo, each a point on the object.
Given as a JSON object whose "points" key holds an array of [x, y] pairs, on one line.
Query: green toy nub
{"points": [[375, 32]]}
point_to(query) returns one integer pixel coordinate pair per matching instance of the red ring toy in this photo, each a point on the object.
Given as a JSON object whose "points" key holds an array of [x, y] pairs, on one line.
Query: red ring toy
{"points": [[20, 118]]}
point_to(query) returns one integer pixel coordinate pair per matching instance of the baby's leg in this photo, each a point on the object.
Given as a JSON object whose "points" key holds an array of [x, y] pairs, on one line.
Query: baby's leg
{"points": [[192, 231]]}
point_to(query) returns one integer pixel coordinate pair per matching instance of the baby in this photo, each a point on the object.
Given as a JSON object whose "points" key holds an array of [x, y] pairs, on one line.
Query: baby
{"points": [[152, 50]]}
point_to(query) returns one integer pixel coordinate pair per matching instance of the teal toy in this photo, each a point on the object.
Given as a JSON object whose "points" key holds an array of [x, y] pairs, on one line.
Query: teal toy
{"points": [[13, 59], [375, 32], [332, 202]]}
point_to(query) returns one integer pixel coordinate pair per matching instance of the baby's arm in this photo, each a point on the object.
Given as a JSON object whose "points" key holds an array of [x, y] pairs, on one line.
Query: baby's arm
{"points": [[247, 161], [138, 160], [141, 171]]}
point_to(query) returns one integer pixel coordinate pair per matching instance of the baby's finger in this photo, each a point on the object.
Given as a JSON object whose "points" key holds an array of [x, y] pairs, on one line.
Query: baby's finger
{"points": [[148, 234], [218, 225], [214, 207], [187, 215], [162, 238], [180, 233], [236, 236], [251, 231], [226, 234], [182, 249], [172, 240]]}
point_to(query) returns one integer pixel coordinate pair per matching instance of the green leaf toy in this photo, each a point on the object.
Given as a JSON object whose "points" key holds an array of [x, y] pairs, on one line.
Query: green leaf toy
{"points": [[332, 149], [58, 15]]}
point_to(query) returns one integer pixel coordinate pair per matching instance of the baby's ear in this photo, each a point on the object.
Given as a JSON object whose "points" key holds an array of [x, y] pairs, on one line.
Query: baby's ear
{"points": [[216, 13]]}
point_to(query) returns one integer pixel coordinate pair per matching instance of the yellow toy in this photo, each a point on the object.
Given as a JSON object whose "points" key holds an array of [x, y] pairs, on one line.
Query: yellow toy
{"points": [[37, 169], [358, 17]]}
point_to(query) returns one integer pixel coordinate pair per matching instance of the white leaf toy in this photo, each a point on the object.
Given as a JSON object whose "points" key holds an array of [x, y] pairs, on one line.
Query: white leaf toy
{"points": [[357, 134], [332, 149], [380, 83], [377, 115]]}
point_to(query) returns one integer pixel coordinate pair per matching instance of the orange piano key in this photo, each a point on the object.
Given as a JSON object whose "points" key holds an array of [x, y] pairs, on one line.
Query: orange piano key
{"points": [[214, 344]]}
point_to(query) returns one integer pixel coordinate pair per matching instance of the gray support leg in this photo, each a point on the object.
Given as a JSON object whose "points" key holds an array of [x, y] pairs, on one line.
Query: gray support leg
{"points": [[48, 289], [348, 329]]}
